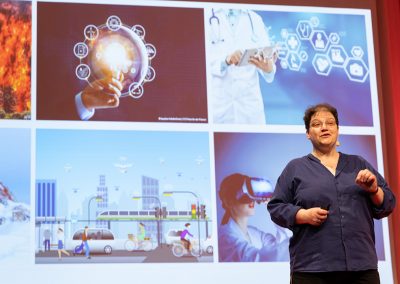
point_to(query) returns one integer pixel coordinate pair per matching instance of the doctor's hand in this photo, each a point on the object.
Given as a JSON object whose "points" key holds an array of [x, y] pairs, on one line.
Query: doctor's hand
{"points": [[103, 93], [234, 58], [266, 64], [314, 216], [367, 181]]}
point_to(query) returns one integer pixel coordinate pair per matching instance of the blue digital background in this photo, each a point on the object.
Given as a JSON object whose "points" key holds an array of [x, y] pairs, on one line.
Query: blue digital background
{"points": [[293, 91]]}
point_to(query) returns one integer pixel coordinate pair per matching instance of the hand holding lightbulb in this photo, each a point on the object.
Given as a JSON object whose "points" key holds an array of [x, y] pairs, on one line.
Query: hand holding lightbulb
{"points": [[103, 93]]}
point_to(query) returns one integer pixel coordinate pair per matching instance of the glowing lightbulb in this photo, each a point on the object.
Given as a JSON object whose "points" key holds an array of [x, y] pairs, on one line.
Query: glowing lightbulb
{"points": [[115, 56]]}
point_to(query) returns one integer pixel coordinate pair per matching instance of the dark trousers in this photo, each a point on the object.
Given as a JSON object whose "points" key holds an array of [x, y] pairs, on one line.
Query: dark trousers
{"points": [[186, 243], [46, 245], [337, 277]]}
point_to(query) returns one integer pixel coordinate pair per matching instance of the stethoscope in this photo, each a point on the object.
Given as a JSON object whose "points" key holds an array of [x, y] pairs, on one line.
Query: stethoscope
{"points": [[216, 28]]}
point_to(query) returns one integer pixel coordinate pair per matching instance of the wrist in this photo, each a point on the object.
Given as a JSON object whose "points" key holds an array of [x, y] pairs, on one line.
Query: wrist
{"points": [[372, 193], [228, 60]]}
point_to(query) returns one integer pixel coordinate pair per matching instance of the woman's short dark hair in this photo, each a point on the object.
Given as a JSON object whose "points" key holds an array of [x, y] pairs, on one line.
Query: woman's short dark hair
{"points": [[310, 111]]}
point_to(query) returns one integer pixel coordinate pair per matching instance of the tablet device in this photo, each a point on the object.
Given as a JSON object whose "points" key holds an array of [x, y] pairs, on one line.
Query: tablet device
{"points": [[247, 54], [265, 52]]}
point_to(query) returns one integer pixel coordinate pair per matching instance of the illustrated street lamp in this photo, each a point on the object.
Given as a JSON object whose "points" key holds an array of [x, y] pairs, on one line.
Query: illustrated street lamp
{"points": [[98, 198]]}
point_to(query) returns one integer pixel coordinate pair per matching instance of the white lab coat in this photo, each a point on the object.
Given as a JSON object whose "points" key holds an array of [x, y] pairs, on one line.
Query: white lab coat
{"points": [[235, 247], [235, 92]]}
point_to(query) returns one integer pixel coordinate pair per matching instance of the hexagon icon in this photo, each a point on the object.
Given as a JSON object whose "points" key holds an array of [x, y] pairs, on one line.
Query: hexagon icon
{"points": [[282, 50], [293, 42], [334, 38], [284, 64], [338, 55], [303, 55], [294, 61], [304, 30], [356, 70], [314, 21], [357, 51], [284, 33], [319, 40], [322, 64]]}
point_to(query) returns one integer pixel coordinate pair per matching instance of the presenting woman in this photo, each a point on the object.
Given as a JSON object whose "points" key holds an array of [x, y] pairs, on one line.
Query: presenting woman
{"points": [[329, 200]]}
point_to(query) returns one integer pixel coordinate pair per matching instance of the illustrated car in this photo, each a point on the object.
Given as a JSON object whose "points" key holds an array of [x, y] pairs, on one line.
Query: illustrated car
{"points": [[99, 240], [173, 236]]}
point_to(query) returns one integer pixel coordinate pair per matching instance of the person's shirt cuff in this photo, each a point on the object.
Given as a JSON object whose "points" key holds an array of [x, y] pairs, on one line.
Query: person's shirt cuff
{"points": [[269, 77], [83, 112], [223, 67]]}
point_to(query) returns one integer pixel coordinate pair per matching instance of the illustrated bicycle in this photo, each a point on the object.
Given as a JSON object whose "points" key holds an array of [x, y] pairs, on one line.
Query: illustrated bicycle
{"points": [[133, 243]]}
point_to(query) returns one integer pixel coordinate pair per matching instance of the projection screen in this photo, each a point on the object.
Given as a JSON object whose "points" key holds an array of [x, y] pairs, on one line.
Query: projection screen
{"points": [[125, 117]]}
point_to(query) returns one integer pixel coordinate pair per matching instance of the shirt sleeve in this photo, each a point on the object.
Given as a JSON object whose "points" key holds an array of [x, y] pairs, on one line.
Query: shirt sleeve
{"points": [[389, 200], [269, 77], [263, 41], [83, 112], [281, 208]]}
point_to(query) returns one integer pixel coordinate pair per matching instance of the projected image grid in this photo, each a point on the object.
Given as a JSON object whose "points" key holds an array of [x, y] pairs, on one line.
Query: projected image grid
{"points": [[136, 193]]}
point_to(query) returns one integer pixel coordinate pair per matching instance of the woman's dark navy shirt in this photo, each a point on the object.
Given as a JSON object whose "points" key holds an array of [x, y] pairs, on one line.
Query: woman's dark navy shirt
{"points": [[346, 240]]}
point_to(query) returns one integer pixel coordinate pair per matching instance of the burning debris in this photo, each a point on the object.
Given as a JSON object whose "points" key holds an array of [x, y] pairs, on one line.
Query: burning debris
{"points": [[15, 59]]}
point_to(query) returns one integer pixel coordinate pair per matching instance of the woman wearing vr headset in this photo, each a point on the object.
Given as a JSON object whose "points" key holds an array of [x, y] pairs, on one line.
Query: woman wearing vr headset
{"points": [[329, 200], [238, 241]]}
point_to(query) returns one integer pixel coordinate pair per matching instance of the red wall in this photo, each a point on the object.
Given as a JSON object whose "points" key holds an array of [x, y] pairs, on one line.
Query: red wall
{"points": [[389, 44]]}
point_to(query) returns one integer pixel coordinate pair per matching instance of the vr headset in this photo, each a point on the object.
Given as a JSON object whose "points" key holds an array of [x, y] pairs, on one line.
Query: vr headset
{"points": [[255, 189]]}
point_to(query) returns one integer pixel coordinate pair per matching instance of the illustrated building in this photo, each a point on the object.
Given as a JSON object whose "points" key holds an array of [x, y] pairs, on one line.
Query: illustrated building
{"points": [[150, 187], [102, 205], [46, 191]]}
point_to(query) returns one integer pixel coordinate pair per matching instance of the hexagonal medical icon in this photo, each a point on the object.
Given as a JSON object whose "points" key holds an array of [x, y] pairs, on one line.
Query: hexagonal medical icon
{"points": [[293, 42], [314, 21], [304, 30], [338, 55], [322, 64], [356, 70], [284, 63], [334, 38], [303, 55], [282, 50], [294, 61], [357, 51], [319, 40]]}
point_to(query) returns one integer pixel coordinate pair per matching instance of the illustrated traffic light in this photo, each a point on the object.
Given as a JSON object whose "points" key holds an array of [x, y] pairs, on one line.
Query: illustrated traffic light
{"points": [[157, 212], [203, 211], [193, 211]]}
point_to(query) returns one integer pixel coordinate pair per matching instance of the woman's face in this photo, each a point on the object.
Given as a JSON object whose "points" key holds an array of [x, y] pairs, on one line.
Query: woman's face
{"points": [[323, 131], [243, 209]]}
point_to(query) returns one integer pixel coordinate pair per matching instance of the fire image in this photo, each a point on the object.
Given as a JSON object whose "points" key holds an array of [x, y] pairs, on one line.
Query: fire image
{"points": [[15, 60]]}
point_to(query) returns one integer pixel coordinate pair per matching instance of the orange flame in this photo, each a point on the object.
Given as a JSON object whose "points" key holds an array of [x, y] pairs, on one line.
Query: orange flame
{"points": [[15, 51]]}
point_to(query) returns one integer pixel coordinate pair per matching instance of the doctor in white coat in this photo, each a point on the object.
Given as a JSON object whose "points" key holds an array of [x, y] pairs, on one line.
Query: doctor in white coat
{"points": [[235, 93]]}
